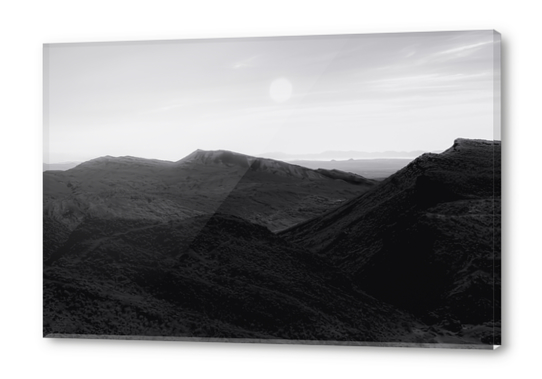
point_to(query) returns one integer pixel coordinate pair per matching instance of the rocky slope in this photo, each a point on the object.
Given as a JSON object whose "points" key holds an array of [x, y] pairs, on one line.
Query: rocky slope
{"points": [[271, 193], [207, 277], [187, 248], [427, 239]]}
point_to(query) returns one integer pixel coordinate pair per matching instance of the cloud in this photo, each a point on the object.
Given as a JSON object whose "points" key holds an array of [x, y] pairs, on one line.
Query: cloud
{"points": [[249, 62], [464, 48], [174, 104]]}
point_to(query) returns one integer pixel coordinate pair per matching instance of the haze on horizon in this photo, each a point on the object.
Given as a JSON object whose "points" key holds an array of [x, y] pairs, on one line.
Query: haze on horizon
{"points": [[293, 95]]}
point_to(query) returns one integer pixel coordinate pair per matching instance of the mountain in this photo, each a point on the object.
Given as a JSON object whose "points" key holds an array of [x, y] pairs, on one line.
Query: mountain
{"points": [[328, 155], [225, 245], [262, 165], [211, 277], [272, 193], [377, 169], [426, 240], [346, 176]]}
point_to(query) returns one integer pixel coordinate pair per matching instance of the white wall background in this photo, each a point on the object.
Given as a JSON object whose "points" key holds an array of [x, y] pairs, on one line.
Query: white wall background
{"points": [[25, 25]]}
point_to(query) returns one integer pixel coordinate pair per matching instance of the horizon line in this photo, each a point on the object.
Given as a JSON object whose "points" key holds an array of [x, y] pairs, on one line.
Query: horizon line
{"points": [[289, 156]]}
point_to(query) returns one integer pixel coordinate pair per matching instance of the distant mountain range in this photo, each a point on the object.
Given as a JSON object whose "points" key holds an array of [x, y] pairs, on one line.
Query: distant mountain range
{"points": [[59, 166], [324, 156], [341, 155], [268, 192], [377, 168], [225, 245], [378, 165]]}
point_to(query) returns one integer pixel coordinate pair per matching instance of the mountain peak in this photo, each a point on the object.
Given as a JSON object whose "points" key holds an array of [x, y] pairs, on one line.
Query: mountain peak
{"points": [[461, 144], [268, 166], [111, 162], [218, 157]]}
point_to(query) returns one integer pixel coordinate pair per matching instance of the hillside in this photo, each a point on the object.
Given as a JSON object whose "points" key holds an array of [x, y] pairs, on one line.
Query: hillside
{"points": [[373, 168], [207, 277], [221, 244], [278, 194], [427, 239]]}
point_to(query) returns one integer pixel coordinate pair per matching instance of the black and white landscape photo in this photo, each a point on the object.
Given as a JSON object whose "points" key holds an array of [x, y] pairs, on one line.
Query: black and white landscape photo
{"points": [[341, 190]]}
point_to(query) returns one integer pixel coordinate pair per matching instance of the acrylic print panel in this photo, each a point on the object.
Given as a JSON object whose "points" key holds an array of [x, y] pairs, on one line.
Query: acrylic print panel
{"points": [[326, 190]]}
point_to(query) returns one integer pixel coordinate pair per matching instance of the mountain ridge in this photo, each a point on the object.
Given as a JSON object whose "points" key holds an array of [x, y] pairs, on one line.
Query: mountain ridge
{"points": [[220, 244], [427, 239], [224, 157], [341, 154], [199, 183]]}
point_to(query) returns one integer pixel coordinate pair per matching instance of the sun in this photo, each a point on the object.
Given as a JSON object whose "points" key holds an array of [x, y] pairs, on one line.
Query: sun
{"points": [[280, 90]]}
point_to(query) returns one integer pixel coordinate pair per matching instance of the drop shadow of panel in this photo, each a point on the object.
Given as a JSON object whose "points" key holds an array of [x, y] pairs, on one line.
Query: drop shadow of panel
{"points": [[282, 342]]}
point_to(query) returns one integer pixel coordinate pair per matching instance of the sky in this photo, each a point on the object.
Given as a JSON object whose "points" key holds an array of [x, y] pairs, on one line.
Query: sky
{"points": [[293, 95]]}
